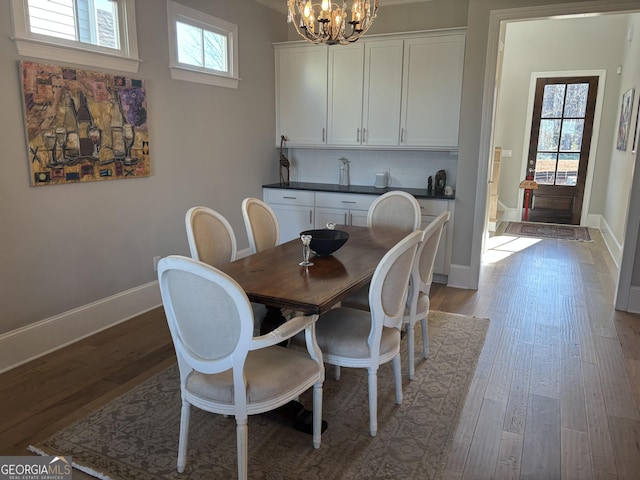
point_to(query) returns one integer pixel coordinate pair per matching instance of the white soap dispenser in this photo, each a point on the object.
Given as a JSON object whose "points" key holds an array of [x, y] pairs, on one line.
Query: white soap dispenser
{"points": [[344, 172]]}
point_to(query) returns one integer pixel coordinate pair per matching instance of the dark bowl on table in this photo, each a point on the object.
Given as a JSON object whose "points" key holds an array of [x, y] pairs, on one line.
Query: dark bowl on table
{"points": [[325, 241]]}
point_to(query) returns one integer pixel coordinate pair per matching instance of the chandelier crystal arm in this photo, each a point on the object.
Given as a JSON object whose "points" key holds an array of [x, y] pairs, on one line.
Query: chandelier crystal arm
{"points": [[330, 23]]}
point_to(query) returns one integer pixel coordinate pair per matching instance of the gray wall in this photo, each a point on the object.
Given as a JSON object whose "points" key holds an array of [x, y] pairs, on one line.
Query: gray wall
{"points": [[69, 245]]}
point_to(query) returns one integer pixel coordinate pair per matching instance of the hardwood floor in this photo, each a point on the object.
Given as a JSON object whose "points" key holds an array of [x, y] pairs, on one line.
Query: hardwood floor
{"points": [[555, 394]]}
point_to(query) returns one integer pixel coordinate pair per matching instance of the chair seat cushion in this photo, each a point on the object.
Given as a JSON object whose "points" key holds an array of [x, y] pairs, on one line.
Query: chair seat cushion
{"points": [[269, 372], [344, 332]]}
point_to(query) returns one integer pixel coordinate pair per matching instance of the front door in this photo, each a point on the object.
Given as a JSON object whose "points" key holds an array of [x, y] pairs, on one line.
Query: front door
{"points": [[561, 127]]}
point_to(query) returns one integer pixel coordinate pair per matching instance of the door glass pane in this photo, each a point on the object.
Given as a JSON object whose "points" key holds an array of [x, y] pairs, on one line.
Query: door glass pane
{"points": [[571, 140], [576, 103], [552, 100], [549, 135], [567, 168], [545, 168]]}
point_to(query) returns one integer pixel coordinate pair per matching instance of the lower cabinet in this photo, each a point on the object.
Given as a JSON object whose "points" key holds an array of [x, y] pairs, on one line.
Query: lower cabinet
{"points": [[430, 209], [294, 210], [342, 208], [299, 210]]}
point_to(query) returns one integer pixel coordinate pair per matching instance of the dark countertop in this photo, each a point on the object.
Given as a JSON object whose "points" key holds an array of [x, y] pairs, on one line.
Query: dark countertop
{"points": [[331, 187]]}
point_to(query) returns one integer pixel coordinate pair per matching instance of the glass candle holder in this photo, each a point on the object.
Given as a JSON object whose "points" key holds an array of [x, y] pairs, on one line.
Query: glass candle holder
{"points": [[306, 250]]}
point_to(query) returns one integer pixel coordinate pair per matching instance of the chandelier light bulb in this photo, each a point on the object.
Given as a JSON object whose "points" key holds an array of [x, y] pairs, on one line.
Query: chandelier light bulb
{"points": [[329, 22]]}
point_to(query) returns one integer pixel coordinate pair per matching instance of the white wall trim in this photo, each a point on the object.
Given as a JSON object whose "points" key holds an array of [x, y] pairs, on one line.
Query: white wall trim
{"points": [[28, 343], [610, 240], [633, 305], [460, 276]]}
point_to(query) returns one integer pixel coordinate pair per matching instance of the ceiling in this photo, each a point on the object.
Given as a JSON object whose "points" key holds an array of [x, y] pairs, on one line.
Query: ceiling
{"points": [[281, 5]]}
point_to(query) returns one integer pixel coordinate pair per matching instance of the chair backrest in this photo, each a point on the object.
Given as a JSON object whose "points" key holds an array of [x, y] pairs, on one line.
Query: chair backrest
{"points": [[389, 285], [211, 238], [395, 209], [208, 313], [423, 269], [261, 224]]}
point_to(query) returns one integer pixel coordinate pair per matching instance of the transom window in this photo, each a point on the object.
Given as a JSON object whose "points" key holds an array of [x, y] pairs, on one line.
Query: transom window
{"points": [[203, 48], [99, 33]]}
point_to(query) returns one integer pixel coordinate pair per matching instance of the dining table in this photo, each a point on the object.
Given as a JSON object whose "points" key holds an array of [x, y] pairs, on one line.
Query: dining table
{"points": [[273, 277]]}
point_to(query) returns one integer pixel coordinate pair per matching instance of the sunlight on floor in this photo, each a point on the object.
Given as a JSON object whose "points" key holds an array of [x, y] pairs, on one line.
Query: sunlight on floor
{"points": [[500, 247]]}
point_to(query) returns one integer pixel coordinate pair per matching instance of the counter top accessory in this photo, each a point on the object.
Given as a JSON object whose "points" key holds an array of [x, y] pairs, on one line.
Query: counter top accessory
{"points": [[344, 171]]}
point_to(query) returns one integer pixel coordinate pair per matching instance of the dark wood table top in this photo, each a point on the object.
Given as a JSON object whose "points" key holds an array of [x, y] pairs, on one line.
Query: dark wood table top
{"points": [[274, 278]]}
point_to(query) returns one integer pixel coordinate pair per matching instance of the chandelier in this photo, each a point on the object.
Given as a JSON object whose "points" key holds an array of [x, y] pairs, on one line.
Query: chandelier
{"points": [[328, 23]]}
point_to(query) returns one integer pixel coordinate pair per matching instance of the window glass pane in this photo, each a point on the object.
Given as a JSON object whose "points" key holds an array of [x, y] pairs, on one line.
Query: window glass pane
{"points": [[549, 135], [552, 100], [87, 21], [567, 168], [545, 168], [571, 140], [55, 19], [189, 44], [576, 102], [215, 51], [106, 15]]}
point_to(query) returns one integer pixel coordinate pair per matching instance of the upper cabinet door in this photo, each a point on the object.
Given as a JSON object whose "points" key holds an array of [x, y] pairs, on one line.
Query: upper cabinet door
{"points": [[301, 94], [382, 87], [432, 88], [346, 66]]}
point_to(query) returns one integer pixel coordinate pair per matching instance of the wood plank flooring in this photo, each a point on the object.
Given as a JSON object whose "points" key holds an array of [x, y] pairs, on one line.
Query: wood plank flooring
{"points": [[557, 390], [555, 394]]}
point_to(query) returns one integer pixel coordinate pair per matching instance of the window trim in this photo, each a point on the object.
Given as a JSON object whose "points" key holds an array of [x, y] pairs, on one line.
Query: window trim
{"points": [[189, 73], [65, 51]]}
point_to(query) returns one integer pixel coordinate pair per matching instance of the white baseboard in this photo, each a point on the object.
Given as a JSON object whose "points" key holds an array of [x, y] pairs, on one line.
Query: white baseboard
{"points": [[460, 277], [634, 300], [612, 243], [30, 342]]}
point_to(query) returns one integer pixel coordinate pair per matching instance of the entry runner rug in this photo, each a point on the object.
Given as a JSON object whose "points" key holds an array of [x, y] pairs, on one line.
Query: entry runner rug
{"points": [[547, 230], [135, 437]]}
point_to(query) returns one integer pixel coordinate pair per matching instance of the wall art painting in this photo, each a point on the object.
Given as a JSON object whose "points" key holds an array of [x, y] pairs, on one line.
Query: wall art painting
{"points": [[84, 126], [625, 120]]}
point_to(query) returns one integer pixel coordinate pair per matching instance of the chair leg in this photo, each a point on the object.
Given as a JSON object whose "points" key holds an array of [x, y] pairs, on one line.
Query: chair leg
{"points": [[373, 402], [243, 447], [317, 414], [411, 350], [397, 377], [184, 435], [425, 337]]}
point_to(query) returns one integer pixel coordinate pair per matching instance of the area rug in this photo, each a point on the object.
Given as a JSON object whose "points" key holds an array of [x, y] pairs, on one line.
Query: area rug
{"points": [[136, 435], [548, 230]]}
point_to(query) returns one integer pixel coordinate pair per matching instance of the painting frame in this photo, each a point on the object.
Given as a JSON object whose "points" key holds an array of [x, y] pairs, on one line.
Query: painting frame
{"points": [[625, 119], [83, 126]]}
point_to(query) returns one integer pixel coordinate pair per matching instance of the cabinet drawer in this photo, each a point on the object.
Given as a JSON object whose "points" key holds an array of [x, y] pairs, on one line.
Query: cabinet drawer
{"points": [[433, 207], [353, 201], [289, 197]]}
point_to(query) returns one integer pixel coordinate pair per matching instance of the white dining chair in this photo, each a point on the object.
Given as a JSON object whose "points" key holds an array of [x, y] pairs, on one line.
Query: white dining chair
{"points": [[261, 224], [396, 209], [417, 308], [223, 368], [356, 338], [211, 238], [212, 241]]}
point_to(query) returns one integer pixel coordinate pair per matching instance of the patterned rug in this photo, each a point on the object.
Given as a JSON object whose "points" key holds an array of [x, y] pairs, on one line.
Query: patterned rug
{"points": [[136, 436], [548, 230]]}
